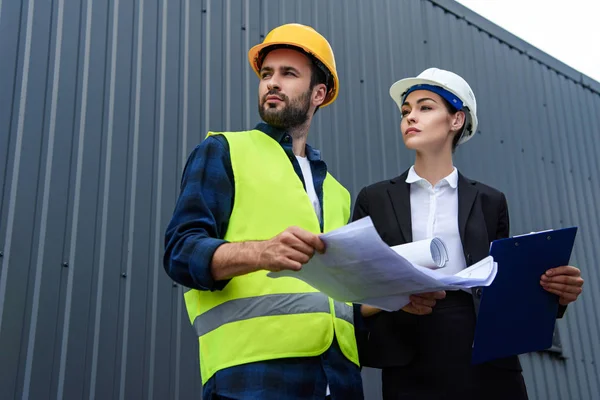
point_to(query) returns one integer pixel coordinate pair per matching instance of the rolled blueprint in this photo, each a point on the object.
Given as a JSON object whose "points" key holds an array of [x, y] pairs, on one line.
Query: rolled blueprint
{"points": [[429, 253]]}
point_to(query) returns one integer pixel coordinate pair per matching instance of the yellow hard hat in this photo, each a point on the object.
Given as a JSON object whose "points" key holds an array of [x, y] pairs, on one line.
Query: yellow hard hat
{"points": [[307, 39]]}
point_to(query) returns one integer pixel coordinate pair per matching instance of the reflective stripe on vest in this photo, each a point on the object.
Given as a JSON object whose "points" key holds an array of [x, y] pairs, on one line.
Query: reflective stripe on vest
{"points": [[344, 311], [264, 306]]}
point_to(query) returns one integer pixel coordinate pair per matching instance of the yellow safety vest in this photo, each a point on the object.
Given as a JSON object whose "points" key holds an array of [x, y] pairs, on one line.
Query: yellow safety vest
{"points": [[257, 318]]}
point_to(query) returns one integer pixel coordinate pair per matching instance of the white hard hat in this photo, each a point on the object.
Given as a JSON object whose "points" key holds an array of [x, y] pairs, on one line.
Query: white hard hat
{"points": [[434, 78]]}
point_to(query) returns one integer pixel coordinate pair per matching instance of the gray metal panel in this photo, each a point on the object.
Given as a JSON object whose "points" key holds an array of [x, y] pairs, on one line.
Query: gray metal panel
{"points": [[101, 102]]}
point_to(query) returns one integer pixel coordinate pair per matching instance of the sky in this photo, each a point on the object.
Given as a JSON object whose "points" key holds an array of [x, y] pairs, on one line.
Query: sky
{"points": [[568, 30]]}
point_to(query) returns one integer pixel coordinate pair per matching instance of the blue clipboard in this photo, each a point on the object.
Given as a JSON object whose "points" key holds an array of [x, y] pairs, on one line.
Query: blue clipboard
{"points": [[516, 315]]}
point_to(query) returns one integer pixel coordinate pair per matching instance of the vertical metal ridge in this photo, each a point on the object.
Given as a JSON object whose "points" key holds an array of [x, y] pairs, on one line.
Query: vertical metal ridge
{"points": [[105, 201], [77, 193], [591, 167], [511, 138], [316, 25], [227, 62], [572, 207], [553, 385], [593, 146], [159, 192], [397, 138], [533, 97], [555, 125], [380, 84], [595, 105], [466, 37], [591, 275], [348, 61], [335, 124], [132, 199], [365, 121], [311, 19], [498, 69], [264, 18], [549, 124], [45, 201], [281, 15], [207, 76], [17, 161], [186, 83]]}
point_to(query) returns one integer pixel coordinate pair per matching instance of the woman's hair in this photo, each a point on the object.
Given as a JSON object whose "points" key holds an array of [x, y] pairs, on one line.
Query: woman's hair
{"points": [[453, 111]]}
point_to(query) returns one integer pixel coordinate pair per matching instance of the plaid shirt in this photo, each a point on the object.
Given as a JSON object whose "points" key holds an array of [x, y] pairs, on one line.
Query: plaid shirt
{"points": [[197, 228], [289, 379]]}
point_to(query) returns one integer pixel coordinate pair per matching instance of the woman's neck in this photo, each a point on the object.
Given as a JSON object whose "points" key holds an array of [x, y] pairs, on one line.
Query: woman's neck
{"points": [[433, 167]]}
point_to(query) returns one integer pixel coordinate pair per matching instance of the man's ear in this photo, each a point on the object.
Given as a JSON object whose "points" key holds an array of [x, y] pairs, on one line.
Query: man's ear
{"points": [[318, 94]]}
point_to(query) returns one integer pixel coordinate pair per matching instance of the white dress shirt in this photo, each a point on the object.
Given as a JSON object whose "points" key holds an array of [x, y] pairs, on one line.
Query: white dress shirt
{"points": [[434, 213]]}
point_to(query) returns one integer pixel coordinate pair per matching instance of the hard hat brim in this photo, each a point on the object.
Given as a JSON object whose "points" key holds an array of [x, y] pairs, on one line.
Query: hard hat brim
{"points": [[400, 87]]}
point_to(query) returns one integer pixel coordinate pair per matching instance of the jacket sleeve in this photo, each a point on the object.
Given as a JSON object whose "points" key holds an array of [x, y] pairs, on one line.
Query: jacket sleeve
{"points": [[503, 228], [361, 208]]}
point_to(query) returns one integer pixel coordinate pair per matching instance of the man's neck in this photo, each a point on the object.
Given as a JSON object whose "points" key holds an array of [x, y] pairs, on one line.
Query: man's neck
{"points": [[299, 135]]}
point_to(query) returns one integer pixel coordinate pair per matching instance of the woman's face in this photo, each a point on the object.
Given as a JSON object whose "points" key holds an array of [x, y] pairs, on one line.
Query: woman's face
{"points": [[426, 123]]}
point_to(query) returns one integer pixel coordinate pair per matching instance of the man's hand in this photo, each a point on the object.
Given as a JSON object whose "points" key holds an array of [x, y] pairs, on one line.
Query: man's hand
{"points": [[423, 303], [565, 282], [288, 250]]}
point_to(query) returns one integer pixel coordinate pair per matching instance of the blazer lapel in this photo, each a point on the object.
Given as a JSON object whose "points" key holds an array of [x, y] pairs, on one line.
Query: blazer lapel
{"points": [[467, 192], [399, 193]]}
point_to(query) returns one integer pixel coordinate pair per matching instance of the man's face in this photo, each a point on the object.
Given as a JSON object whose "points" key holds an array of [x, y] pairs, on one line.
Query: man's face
{"points": [[284, 93]]}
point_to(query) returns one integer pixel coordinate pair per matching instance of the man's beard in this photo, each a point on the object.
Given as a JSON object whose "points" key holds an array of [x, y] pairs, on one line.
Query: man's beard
{"points": [[295, 112]]}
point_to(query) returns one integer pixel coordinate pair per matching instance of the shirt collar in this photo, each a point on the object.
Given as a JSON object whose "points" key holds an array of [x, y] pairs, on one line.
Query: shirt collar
{"points": [[279, 135], [283, 138], [451, 179]]}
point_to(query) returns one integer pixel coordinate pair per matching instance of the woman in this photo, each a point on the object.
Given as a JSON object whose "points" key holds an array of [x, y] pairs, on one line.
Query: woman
{"points": [[424, 350]]}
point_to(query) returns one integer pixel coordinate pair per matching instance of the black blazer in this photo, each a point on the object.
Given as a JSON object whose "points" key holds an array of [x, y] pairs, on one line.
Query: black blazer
{"points": [[482, 218]]}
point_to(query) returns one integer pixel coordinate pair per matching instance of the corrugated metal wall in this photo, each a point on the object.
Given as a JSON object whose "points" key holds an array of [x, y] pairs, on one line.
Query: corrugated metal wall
{"points": [[101, 101]]}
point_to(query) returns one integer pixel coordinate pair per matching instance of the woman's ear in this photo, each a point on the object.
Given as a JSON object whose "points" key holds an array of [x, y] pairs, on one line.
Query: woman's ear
{"points": [[457, 121]]}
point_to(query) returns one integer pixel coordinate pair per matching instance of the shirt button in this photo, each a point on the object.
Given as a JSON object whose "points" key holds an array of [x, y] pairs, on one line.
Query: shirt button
{"points": [[478, 292], [286, 138]]}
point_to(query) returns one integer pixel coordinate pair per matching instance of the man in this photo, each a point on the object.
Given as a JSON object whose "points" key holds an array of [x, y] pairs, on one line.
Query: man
{"points": [[253, 202]]}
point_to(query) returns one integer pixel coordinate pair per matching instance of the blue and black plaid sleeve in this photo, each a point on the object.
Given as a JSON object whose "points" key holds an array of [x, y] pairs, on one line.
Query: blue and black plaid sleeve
{"points": [[201, 215]]}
